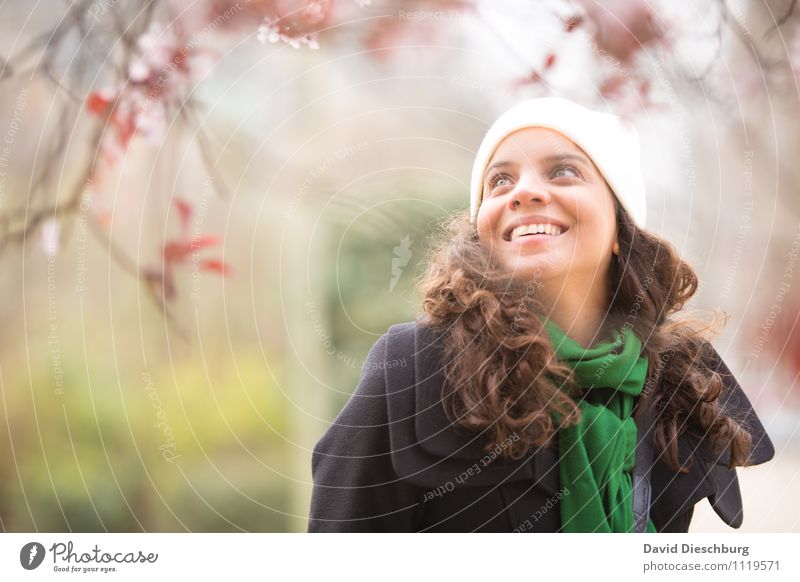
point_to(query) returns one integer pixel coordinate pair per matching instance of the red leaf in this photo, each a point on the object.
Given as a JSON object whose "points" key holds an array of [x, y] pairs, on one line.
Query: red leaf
{"points": [[216, 266], [522, 82], [176, 251], [533, 78], [184, 211], [125, 129], [98, 102], [204, 241]]}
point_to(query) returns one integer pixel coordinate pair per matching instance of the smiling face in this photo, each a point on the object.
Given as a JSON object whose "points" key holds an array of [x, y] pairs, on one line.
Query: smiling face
{"points": [[546, 211]]}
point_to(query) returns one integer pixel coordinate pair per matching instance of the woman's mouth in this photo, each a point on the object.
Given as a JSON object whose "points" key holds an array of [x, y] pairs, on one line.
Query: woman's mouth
{"points": [[535, 231]]}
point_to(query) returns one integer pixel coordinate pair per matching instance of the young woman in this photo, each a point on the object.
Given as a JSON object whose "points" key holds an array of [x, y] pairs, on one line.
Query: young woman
{"points": [[548, 384]]}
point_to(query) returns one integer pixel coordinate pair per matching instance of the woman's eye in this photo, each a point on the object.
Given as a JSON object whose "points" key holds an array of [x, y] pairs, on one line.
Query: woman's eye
{"points": [[495, 181], [567, 167]]}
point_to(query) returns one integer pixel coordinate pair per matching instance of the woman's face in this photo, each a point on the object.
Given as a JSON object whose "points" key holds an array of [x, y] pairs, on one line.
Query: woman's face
{"points": [[539, 177]]}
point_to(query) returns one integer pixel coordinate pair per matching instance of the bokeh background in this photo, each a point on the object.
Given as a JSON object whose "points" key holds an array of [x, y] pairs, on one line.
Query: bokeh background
{"points": [[211, 209]]}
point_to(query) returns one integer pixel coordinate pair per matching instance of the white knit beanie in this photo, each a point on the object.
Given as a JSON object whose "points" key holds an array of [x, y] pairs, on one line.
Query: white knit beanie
{"points": [[610, 141]]}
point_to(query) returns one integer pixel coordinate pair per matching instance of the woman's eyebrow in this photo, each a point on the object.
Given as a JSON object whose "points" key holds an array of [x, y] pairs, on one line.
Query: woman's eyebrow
{"points": [[500, 164], [548, 159], [562, 157]]}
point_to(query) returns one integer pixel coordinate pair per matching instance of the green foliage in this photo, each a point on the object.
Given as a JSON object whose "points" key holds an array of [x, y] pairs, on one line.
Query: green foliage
{"points": [[170, 450]]}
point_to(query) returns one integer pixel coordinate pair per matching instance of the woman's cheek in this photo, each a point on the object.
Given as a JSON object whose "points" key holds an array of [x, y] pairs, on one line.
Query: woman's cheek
{"points": [[487, 224]]}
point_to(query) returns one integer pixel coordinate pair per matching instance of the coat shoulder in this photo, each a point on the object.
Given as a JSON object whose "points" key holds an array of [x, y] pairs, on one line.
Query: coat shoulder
{"points": [[709, 474], [735, 403]]}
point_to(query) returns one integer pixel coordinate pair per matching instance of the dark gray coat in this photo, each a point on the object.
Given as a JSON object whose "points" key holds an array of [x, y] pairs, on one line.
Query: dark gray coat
{"points": [[392, 462]]}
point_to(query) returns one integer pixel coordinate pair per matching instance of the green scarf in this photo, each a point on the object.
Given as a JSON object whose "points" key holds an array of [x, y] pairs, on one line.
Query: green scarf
{"points": [[596, 456]]}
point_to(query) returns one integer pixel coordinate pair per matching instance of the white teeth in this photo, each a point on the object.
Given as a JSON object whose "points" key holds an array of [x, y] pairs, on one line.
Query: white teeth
{"points": [[549, 229]]}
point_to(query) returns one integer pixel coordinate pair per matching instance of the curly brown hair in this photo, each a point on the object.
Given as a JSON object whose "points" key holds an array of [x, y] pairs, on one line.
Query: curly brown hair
{"points": [[503, 378]]}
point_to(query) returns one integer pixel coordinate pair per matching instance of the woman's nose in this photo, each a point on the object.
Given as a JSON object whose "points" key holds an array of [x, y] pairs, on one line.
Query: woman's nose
{"points": [[529, 189]]}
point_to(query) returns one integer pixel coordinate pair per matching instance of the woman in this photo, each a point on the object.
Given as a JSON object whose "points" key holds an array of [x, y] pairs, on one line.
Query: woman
{"points": [[547, 386]]}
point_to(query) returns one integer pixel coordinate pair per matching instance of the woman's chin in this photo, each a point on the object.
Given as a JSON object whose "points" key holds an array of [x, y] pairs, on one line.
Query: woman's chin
{"points": [[529, 267]]}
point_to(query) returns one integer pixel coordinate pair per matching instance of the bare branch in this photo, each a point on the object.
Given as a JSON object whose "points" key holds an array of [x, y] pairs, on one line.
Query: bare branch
{"points": [[782, 20]]}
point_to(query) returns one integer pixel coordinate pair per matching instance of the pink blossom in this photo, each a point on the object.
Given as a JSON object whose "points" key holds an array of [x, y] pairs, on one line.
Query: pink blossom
{"points": [[49, 237], [621, 28], [158, 81], [269, 31]]}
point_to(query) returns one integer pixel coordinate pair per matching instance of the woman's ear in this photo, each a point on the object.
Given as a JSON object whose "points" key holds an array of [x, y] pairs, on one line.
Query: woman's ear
{"points": [[615, 248]]}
